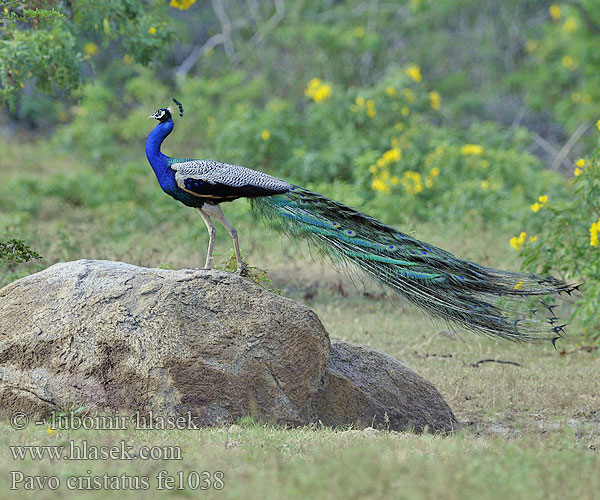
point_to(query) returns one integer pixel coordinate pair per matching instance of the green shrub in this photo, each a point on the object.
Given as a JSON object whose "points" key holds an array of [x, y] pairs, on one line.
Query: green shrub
{"points": [[567, 241], [561, 72], [389, 142]]}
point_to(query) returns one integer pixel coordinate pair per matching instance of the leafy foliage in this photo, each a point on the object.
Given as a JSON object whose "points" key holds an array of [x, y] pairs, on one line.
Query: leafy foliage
{"points": [[13, 253], [562, 70], [46, 46], [387, 148], [567, 241]]}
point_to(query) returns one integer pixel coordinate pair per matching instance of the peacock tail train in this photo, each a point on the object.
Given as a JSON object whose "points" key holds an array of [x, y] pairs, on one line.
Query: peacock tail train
{"points": [[489, 301]]}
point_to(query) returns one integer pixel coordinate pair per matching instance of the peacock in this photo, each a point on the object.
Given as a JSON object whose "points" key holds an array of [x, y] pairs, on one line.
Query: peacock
{"points": [[488, 301]]}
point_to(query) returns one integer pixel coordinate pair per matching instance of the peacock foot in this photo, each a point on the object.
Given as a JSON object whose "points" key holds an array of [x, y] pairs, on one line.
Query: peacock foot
{"points": [[242, 271]]}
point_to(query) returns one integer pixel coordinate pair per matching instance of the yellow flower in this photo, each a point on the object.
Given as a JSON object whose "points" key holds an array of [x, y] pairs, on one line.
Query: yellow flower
{"points": [[90, 49], [543, 199], [569, 63], [555, 12], [536, 207], [531, 46], [399, 126], [580, 163], [152, 30], [435, 100], [594, 230], [410, 97], [405, 111], [412, 182], [359, 32], [598, 124], [391, 91], [435, 171], [392, 155], [360, 101], [380, 185], [533, 239], [265, 135], [317, 90], [394, 180], [428, 181], [485, 185], [371, 108], [182, 4], [312, 87], [414, 73], [373, 169], [517, 241], [322, 93], [570, 25], [577, 172], [471, 149]]}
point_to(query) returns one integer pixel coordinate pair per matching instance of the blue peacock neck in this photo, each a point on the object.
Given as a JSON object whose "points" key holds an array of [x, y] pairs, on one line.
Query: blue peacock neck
{"points": [[158, 161]]}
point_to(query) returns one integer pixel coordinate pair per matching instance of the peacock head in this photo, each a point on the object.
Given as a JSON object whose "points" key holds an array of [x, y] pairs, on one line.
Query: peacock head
{"points": [[164, 114]]}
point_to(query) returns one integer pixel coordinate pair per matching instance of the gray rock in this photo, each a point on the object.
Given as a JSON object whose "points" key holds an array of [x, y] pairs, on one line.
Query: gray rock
{"points": [[366, 387], [113, 337]]}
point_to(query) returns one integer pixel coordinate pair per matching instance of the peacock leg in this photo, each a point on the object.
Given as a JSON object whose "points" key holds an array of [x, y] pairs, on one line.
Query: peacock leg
{"points": [[211, 237], [216, 213]]}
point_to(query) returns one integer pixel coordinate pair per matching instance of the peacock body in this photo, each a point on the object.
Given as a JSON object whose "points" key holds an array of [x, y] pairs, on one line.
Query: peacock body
{"points": [[485, 300]]}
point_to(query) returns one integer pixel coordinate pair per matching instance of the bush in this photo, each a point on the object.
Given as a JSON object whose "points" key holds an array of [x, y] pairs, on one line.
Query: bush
{"points": [[388, 142], [567, 241]]}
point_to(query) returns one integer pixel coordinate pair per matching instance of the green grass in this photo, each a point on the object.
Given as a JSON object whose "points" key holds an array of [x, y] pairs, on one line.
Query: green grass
{"points": [[263, 462], [529, 431]]}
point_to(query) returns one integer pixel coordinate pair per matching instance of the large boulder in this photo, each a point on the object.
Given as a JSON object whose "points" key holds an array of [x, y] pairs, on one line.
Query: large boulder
{"points": [[113, 337], [367, 387]]}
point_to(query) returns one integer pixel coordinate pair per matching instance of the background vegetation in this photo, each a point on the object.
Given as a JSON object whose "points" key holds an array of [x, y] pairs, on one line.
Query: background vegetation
{"points": [[474, 125], [414, 111]]}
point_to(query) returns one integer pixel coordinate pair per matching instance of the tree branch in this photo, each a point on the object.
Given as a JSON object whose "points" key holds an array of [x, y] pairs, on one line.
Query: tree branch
{"points": [[566, 149]]}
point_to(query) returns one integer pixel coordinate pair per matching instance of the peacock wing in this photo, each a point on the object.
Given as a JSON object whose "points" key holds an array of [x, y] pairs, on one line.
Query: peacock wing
{"points": [[212, 179]]}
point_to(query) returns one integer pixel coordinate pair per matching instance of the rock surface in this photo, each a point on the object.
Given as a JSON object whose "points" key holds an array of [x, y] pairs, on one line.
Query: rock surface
{"points": [[110, 337], [367, 387]]}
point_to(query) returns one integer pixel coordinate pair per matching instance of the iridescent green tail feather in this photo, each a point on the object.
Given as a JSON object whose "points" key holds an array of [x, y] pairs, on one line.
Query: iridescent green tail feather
{"points": [[488, 301]]}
